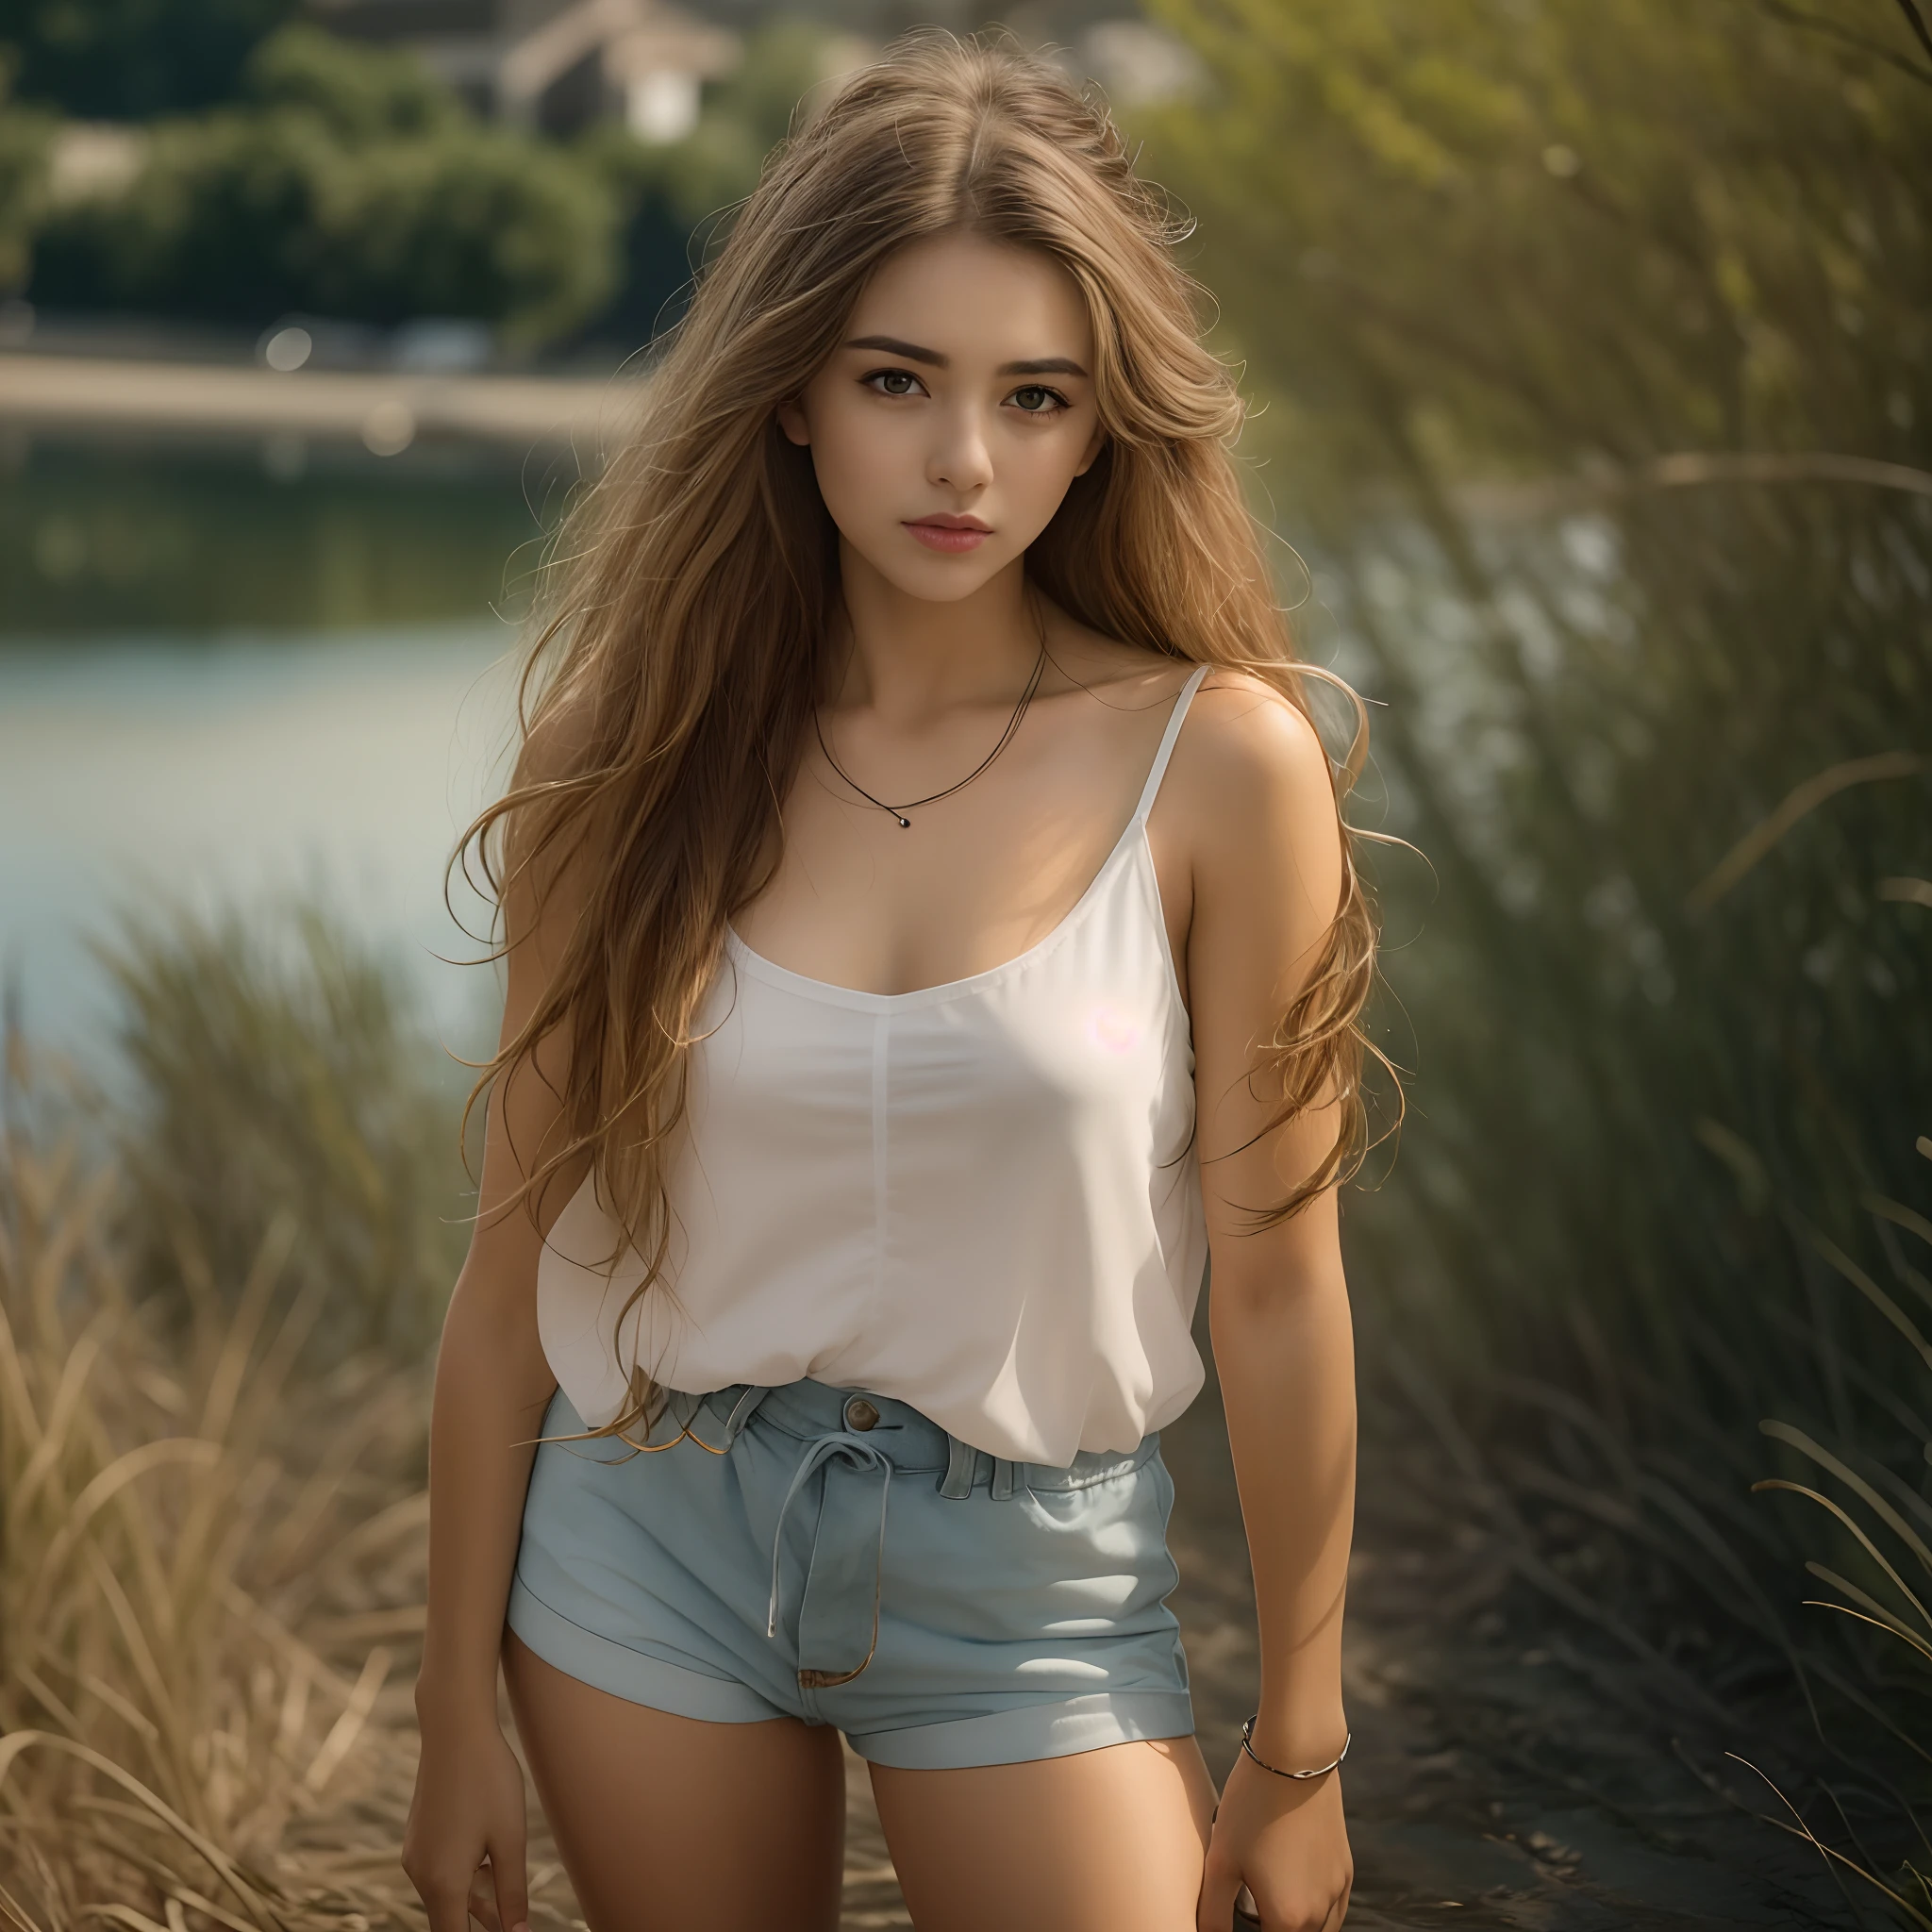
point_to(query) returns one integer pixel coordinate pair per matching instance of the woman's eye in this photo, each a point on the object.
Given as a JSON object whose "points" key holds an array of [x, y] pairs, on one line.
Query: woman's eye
{"points": [[1036, 399], [893, 382]]}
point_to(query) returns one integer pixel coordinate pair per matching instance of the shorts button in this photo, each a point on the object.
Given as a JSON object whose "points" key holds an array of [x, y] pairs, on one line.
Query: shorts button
{"points": [[861, 1415]]}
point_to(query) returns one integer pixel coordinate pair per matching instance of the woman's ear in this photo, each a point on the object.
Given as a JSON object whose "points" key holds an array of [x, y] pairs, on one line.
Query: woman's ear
{"points": [[791, 421], [1094, 446]]}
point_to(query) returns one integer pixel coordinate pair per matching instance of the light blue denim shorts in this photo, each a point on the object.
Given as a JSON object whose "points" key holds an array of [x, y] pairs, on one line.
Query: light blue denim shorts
{"points": [[834, 1555]]}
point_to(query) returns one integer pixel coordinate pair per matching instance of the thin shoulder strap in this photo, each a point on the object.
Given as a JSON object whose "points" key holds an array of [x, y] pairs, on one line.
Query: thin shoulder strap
{"points": [[1176, 720]]}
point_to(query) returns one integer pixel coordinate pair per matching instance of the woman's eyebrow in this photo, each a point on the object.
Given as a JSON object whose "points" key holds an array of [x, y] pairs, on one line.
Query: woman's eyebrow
{"points": [[1037, 365], [894, 346]]}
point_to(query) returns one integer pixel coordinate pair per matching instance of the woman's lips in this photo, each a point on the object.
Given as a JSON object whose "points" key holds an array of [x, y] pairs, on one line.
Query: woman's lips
{"points": [[949, 534]]}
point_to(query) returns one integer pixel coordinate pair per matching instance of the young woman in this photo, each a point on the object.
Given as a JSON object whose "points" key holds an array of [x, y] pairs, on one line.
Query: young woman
{"points": [[930, 936]]}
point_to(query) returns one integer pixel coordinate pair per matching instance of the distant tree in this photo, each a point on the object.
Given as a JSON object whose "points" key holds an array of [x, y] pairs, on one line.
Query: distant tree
{"points": [[345, 182], [677, 195], [131, 59], [1461, 234], [25, 138], [359, 94]]}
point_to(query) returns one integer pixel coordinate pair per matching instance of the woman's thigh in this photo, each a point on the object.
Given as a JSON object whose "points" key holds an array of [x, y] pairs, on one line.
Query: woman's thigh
{"points": [[1107, 1841], [666, 1822]]}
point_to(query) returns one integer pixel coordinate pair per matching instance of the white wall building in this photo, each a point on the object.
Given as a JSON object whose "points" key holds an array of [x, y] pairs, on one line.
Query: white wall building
{"points": [[556, 64]]}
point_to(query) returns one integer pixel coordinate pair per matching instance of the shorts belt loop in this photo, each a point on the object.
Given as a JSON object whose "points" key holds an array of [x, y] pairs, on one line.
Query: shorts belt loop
{"points": [[956, 1484], [1001, 1479], [742, 1412]]}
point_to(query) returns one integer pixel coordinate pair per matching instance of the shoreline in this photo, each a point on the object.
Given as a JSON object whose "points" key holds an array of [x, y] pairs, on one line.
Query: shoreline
{"points": [[384, 411]]}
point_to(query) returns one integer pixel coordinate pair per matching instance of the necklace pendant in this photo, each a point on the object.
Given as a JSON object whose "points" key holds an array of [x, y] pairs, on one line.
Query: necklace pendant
{"points": [[899, 817]]}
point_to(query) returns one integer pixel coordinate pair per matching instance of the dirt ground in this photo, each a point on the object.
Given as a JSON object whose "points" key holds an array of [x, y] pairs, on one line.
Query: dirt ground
{"points": [[1490, 1786]]}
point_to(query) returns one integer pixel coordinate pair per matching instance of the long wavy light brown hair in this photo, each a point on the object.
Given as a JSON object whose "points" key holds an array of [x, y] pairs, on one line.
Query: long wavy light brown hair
{"points": [[686, 645]]}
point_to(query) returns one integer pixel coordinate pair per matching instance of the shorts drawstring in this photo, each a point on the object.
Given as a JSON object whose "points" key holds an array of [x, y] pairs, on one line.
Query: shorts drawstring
{"points": [[834, 1602], [846, 1562]]}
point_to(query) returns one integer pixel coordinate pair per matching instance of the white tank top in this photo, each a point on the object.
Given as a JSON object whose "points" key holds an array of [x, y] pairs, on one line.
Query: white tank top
{"points": [[979, 1198]]}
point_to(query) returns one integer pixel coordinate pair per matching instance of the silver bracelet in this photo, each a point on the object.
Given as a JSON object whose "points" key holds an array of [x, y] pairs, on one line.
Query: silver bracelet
{"points": [[1322, 1771]]}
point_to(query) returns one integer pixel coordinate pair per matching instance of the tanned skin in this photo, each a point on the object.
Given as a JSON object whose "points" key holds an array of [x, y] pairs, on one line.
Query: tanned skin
{"points": [[961, 392]]}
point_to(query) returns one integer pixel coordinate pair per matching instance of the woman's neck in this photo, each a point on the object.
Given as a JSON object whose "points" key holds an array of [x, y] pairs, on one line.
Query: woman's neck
{"points": [[906, 657]]}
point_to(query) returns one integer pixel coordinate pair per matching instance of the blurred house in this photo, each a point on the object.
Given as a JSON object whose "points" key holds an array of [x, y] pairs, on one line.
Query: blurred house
{"points": [[556, 65]]}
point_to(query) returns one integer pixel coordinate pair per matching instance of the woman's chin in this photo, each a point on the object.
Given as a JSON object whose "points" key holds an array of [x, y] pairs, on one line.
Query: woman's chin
{"points": [[932, 576]]}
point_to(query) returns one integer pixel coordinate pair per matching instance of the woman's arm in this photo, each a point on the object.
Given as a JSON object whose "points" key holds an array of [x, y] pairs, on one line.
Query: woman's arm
{"points": [[493, 1385], [1266, 873]]}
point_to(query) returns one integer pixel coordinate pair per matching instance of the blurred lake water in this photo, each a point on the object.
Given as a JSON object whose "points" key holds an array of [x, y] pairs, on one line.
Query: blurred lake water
{"points": [[229, 675]]}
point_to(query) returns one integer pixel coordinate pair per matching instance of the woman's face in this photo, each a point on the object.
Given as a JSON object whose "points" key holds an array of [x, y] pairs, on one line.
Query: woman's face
{"points": [[946, 426]]}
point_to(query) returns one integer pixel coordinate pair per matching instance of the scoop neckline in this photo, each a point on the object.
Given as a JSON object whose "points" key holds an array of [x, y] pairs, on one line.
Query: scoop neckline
{"points": [[831, 991]]}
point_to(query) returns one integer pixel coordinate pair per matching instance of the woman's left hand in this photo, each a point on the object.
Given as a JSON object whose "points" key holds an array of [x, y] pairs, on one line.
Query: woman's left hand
{"points": [[1287, 1843]]}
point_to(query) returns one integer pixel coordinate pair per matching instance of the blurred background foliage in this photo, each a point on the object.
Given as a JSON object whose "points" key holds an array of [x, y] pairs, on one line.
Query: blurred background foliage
{"points": [[1521, 286], [131, 59], [234, 167], [674, 195], [1596, 344], [343, 182]]}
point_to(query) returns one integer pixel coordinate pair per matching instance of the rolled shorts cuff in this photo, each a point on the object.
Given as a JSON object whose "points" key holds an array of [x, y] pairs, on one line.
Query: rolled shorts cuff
{"points": [[1029, 1732], [635, 1676]]}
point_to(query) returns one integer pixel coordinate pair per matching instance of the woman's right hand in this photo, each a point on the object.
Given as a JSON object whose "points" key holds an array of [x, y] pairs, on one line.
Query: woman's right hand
{"points": [[463, 1846]]}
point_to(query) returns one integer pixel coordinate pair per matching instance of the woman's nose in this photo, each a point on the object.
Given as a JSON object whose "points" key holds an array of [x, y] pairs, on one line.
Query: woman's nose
{"points": [[961, 458]]}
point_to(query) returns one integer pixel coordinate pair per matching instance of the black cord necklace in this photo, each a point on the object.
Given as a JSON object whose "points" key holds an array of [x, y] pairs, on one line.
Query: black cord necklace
{"points": [[899, 811]]}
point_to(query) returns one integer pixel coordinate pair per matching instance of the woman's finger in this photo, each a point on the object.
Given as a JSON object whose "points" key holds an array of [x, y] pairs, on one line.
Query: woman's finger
{"points": [[513, 1882], [1215, 1912], [445, 1906], [482, 1900]]}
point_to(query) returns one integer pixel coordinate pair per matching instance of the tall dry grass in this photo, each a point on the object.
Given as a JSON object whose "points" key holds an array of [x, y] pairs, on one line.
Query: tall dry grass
{"points": [[271, 1066], [212, 1453], [211, 1569]]}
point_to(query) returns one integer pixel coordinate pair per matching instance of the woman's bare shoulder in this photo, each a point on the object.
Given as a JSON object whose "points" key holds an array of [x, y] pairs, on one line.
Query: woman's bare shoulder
{"points": [[1251, 795], [1244, 741]]}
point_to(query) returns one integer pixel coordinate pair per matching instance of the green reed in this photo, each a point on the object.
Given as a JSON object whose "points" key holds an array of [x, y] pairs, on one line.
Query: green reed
{"points": [[1599, 400], [278, 1071]]}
